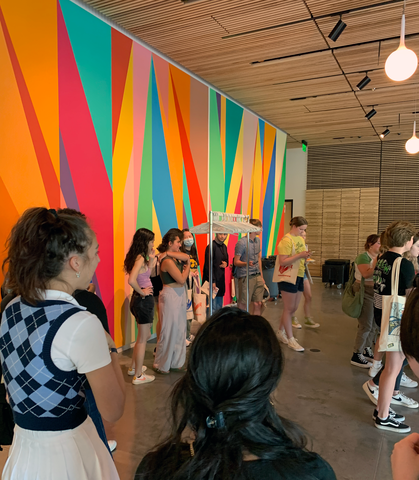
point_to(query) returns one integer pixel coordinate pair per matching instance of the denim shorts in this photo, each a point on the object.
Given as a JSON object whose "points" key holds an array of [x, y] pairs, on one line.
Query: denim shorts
{"points": [[290, 288], [142, 308]]}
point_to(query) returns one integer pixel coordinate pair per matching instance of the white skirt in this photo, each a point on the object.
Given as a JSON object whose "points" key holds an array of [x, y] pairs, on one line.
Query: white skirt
{"points": [[77, 454]]}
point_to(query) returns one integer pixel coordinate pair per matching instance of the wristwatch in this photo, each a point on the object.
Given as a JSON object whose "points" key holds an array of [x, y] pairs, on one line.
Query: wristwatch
{"points": [[113, 350]]}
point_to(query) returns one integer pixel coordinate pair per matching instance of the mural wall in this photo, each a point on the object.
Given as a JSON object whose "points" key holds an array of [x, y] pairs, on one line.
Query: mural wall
{"points": [[94, 121]]}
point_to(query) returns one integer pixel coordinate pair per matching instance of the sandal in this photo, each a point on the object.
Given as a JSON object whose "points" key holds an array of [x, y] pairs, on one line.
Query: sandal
{"points": [[162, 372]]}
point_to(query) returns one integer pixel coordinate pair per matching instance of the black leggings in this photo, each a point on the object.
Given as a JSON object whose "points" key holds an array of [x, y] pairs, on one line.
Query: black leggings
{"points": [[376, 379]]}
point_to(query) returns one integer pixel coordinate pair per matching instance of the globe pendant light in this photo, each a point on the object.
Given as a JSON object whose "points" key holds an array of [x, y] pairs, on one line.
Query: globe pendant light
{"points": [[402, 63], [412, 145]]}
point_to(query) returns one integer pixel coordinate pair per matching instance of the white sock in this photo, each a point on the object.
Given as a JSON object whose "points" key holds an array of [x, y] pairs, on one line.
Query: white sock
{"points": [[376, 363]]}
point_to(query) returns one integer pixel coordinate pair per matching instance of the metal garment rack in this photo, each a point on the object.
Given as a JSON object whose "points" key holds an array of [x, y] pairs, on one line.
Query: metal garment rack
{"points": [[230, 223]]}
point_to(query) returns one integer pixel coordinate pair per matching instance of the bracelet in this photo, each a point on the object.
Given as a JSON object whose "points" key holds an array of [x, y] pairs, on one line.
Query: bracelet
{"points": [[113, 350]]}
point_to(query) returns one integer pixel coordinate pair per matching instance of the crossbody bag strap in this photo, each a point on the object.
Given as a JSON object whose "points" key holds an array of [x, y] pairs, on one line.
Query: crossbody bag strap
{"points": [[395, 275]]}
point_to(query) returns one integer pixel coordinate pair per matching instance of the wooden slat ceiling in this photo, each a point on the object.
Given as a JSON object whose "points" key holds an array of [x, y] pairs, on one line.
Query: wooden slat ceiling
{"points": [[275, 57]]}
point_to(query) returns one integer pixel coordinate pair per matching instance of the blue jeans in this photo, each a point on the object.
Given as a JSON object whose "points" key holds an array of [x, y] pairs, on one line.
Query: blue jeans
{"points": [[217, 304], [93, 412]]}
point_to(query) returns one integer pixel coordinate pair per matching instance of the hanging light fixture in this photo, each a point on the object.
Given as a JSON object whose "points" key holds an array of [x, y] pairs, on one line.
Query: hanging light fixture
{"points": [[412, 145], [402, 63], [385, 133]]}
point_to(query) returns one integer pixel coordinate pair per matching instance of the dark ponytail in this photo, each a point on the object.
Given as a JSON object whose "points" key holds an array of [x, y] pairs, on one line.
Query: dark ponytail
{"points": [[234, 366], [38, 246], [170, 236]]}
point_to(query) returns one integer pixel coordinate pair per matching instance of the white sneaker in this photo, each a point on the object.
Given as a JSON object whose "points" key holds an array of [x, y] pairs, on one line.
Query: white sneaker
{"points": [[401, 399], [372, 392], [282, 335], [372, 372], [143, 379], [295, 323], [294, 345], [112, 445], [131, 371], [408, 382]]}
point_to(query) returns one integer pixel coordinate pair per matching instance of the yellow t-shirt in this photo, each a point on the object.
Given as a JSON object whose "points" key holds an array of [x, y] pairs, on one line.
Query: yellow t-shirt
{"points": [[285, 248]]}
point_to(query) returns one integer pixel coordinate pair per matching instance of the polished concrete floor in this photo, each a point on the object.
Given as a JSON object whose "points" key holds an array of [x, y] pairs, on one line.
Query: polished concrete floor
{"points": [[319, 390]]}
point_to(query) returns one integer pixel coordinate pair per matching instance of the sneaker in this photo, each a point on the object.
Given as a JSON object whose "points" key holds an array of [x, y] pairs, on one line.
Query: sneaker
{"points": [[131, 371], [401, 399], [372, 392], [295, 323], [112, 445], [282, 335], [372, 372], [408, 382], [368, 353], [294, 345], [360, 361], [143, 379], [392, 414], [310, 323], [392, 425]]}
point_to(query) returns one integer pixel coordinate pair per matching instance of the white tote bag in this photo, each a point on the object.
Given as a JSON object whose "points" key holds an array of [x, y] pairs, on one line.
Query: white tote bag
{"points": [[286, 273], [199, 303], [189, 305], [393, 308]]}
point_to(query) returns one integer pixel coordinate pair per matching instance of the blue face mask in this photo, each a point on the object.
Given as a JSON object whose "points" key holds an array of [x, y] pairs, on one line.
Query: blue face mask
{"points": [[188, 242]]}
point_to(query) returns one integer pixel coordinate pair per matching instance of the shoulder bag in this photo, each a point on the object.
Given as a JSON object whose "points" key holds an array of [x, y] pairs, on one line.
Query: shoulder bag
{"points": [[352, 302], [286, 273], [393, 308]]}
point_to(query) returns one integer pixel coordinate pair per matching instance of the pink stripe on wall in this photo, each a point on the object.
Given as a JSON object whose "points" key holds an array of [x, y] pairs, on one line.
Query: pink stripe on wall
{"points": [[88, 171]]}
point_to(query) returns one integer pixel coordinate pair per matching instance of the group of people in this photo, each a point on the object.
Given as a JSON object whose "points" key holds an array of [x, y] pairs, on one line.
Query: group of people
{"points": [[396, 250], [224, 424]]}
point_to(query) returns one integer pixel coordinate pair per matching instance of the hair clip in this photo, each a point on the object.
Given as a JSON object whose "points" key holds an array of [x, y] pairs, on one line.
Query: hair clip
{"points": [[54, 212], [217, 421]]}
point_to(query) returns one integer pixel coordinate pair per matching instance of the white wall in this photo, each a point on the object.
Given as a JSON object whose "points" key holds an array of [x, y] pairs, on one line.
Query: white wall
{"points": [[296, 180]]}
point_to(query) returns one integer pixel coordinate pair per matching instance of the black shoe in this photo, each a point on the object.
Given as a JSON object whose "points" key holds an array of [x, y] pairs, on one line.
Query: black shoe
{"points": [[392, 414], [391, 425], [368, 353], [360, 361]]}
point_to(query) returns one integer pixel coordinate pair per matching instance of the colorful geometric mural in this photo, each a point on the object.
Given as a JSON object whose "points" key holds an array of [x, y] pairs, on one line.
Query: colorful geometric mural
{"points": [[95, 121]]}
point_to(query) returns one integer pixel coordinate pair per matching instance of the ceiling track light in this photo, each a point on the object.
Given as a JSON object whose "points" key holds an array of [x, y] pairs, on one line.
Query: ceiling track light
{"points": [[370, 114], [337, 30], [364, 82], [401, 64], [385, 133]]}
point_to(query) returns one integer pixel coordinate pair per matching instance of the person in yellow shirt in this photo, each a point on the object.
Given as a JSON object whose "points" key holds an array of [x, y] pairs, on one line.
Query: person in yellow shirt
{"points": [[292, 249]]}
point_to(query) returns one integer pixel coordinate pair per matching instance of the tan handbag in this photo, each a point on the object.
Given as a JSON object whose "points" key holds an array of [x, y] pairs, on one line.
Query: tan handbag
{"points": [[286, 273]]}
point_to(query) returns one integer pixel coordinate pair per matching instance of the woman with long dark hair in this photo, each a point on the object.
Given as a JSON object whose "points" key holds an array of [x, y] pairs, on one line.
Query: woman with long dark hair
{"points": [[49, 344], [224, 423], [138, 264], [174, 270]]}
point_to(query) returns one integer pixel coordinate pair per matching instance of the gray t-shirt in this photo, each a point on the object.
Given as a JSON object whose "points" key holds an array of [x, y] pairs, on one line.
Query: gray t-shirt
{"points": [[254, 250]]}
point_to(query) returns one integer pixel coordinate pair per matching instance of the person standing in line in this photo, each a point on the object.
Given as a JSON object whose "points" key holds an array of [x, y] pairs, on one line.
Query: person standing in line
{"points": [[219, 265], [365, 263], [399, 237], [291, 294], [308, 319], [256, 281], [189, 247], [174, 270], [49, 344], [138, 264]]}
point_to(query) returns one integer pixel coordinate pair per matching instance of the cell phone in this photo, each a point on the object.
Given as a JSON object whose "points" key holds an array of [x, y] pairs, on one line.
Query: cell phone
{"points": [[311, 252]]}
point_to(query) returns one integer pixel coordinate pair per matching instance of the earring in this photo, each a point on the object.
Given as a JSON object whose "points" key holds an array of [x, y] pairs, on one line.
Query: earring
{"points": [[78, 274]]}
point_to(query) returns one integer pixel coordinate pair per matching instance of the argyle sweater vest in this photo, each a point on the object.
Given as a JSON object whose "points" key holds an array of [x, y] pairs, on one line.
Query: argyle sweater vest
{"points": [[42, 396]]}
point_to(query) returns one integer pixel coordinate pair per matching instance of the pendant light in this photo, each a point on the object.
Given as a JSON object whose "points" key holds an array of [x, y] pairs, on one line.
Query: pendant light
{"points": [[412, 145], [402, 63]]}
